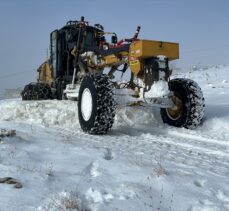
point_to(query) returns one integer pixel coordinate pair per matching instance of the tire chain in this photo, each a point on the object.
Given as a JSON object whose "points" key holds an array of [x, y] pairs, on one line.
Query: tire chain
{"points": [[36, 91], [197, 106], [106, 104]]}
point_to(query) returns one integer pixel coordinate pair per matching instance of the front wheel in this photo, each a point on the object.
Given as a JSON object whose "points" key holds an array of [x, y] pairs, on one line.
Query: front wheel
{"points": [[188, 110], [96, 105]]}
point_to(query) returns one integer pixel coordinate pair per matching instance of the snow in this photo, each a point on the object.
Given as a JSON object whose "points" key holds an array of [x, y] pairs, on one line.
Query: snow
{"points": [[141, 164], [158, 89]]}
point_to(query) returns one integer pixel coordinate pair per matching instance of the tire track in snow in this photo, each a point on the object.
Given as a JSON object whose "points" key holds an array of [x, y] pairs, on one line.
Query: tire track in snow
{"points": [[193, 141], [174, 147], [198, 138], [193, 156], [192, 147]]}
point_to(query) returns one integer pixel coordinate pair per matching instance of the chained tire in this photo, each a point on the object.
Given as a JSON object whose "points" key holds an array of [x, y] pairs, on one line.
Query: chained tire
{"points": [[36, 91], [96, 104], [188, 111]]}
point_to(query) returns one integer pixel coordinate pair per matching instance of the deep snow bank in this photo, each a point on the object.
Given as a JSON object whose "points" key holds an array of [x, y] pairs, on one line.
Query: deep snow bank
{"points": [[211, 78], [45, 113], [64, 114]]}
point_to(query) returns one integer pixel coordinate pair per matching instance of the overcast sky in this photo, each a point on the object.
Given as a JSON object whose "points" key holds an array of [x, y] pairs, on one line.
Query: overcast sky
{"points": [[200, 26]]}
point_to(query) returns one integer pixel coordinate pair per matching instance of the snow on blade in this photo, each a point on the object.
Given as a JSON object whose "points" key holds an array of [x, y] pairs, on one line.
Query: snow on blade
{"points": [[158, 89]]}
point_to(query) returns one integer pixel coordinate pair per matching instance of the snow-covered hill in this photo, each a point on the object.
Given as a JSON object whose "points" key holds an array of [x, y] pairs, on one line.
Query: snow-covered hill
{"points": [[140, 165]]}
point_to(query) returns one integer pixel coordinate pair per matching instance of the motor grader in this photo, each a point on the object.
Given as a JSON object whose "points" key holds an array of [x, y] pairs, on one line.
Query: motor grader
{"points": [[82, 67]]}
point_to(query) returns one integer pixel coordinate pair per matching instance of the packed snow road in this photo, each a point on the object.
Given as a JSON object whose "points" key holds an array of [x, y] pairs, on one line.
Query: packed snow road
{"points": [[141, 164]]}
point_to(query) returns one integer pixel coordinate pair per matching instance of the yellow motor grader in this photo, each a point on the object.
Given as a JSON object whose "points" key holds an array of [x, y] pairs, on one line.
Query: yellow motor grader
{"points": [[82, 67]]}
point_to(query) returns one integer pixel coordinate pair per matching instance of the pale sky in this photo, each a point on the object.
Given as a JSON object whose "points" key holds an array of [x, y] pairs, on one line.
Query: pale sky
{"points": [[200, 26]]}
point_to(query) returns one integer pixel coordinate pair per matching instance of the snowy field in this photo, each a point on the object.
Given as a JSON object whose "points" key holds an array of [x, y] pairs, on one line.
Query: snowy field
{"points": [[140, 165]]}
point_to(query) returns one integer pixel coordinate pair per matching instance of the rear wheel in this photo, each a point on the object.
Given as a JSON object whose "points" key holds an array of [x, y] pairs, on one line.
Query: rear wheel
{"points": [[96, 105], [189, 106], [36, 91]]}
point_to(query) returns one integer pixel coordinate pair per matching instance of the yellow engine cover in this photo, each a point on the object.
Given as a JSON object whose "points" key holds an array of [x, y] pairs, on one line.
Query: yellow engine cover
{"points": [[150, 48], [143, 49]]}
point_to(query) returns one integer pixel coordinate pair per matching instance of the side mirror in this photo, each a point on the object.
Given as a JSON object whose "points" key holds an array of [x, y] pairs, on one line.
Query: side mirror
{"points": [[114, 39]]}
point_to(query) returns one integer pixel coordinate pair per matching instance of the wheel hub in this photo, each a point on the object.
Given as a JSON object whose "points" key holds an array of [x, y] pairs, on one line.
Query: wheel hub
{"points": [[176, 111], [86, 104]]}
